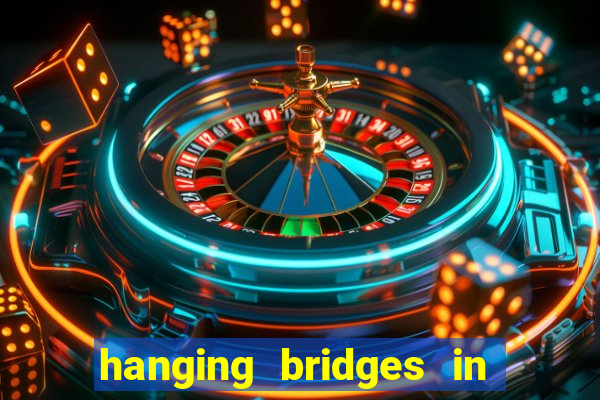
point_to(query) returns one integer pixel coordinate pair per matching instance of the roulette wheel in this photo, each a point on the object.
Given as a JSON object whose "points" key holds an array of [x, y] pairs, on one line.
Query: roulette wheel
{"points": [[233, 217], [400, 207]]}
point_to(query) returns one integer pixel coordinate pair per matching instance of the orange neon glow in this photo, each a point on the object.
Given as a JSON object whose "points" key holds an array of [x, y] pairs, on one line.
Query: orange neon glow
{"points": [[539, 70], [487, 276], [497, 295], [322, 327], [405, 72], [441, 330], [536, 134], [460, 322], [36, 72], [448, 275], [529, 49], [515, 305], [94, 120], [46, 126], [95, 94], [523, 70], [568, 299], [80, 64], [462, 284], [303, 394], [492, 260], [442, 313], [446, 295], [517, 342], [458, 258], [473, 267], [520, 43], [486, 313], [493, 327], [297, 29], [80, 334], [56, 53], [103, 78], [204, 51], [276, 30], [103, 279], [508, 269], [89, 49], [286, 11]]}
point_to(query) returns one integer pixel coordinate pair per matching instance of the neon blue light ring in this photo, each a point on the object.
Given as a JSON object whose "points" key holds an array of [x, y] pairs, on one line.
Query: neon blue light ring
{"points": [[443, 234], [299, 290]]}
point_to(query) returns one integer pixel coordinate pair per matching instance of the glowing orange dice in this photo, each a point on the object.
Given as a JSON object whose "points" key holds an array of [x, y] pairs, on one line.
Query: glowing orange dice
{"points": [[69, 90], [480, 292], [392, 67], [286, 19], [21, 348], [188, 40], [402, 8], [527, 53]]}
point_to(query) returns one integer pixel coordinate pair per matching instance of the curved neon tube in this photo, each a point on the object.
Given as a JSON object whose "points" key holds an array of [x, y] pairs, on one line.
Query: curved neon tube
{"points": [[56, 315], [326, 289], [284, 263], [512, 345], [261, 325], [588, 263]]}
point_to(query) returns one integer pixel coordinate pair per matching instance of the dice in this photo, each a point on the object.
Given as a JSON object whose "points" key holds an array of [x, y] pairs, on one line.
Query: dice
{"points": [[69, 90], [286, 19], [22, 354], [392, 67], [188, 40], [526, 54], [401, 8], [480, 292]]}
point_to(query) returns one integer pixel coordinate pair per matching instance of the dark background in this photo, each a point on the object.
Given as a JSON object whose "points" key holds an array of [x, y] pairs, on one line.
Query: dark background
{"points": [[569, 21]]}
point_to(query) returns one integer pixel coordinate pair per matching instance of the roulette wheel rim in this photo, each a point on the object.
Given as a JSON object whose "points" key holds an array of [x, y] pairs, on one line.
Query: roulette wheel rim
{"points": [[288, 256], [542, 138], [538, 133], [545, 140]]}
